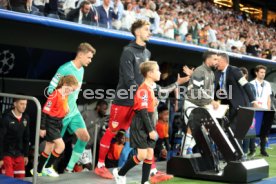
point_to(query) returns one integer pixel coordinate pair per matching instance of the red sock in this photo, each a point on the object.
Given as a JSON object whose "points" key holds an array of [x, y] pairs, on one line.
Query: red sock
{"points": [[104, 144], [153, 165]]}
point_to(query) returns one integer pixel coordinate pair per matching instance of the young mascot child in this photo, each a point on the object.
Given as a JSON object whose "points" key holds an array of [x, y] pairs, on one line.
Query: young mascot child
{"points": [[162, 128], [54, 110], [142, 132], [115, 150]]}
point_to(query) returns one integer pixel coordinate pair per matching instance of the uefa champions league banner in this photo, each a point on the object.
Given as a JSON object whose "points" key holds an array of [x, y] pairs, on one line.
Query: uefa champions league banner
{"points": [[29, 63], [7, 59]]}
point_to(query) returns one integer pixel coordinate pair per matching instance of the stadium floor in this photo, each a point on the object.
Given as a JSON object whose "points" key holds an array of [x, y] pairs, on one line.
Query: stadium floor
{"points": [[134, 176]]}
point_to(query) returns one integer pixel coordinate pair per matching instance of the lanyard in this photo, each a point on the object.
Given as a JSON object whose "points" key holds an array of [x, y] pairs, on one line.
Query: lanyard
{"points": [[257, 91]]}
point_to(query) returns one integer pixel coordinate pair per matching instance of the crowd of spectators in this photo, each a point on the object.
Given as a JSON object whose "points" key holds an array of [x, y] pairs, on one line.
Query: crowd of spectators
{"points": [[194, 22]]}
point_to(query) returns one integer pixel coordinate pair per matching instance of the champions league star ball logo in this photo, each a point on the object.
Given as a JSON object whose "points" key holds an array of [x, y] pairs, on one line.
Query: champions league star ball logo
{"points": [[6, 61]]}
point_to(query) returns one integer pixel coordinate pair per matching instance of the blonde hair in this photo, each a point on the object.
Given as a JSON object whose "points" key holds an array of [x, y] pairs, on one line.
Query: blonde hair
{"points": [[68, 80], [86, 47], [147, 66]]}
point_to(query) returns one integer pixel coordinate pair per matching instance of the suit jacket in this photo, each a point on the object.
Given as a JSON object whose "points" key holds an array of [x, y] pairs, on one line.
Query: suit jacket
{"points": [[239, 92], [194, 31], [104, 20], [74, 14]]}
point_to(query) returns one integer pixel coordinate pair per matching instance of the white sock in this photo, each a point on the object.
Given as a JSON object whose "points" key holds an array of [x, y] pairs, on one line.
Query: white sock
{"points": [[100, 164], [153, 171]]}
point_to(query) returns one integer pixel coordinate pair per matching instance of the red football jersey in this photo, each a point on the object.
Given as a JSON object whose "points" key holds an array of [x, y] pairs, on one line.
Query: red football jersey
{"points": [[115, 151], [144, 98], [56, 105], [162, 129]]}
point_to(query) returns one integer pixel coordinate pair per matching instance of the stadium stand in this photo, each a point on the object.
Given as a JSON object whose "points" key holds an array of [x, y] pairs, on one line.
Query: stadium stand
{"points": [[207, 22]]}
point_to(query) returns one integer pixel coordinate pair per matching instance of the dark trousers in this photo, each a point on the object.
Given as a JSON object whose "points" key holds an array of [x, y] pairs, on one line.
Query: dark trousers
{"points": [[263, 143], [249, 144], [51, 7]]}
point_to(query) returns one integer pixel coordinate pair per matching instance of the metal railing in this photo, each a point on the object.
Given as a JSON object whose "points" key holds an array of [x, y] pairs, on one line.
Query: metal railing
{"points": [[95, 146], [38, 118]]}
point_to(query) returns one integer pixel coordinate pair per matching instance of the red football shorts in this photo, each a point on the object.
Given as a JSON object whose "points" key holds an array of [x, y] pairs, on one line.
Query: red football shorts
{"points": [[120, 117], [14, 166]]}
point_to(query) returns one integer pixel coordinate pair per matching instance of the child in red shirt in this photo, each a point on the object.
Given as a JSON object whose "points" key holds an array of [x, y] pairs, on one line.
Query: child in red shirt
{"points": [[54, 110], [142, 133], [162, 128], [115, 149]]}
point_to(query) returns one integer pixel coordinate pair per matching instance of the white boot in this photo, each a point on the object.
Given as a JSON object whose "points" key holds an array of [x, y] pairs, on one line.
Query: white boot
{"points": [[119, 179]]}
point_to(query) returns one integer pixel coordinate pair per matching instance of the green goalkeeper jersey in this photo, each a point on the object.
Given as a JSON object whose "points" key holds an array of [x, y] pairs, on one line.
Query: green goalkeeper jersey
{"points": [[68, 68]]}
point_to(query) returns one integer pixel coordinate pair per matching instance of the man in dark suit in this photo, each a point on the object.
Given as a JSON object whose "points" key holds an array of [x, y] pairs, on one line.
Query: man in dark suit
{"points": [[193, 30], [107, 14], [83, 14], [249, 142], [232, 88]]}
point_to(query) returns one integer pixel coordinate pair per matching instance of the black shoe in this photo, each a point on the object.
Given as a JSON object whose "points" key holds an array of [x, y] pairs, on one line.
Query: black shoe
{"points": [[264, 153]]}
